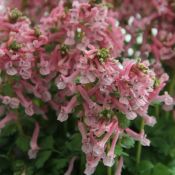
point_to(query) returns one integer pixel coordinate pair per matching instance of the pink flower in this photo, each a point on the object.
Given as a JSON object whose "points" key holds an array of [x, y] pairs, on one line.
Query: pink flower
{"points": [[10, 69], [119, 168], [65, 110], [42, 92], [85, 96], [9, 117], [34, 148], [131, 115], [78, 50], [87, 143], [87, 77], [2, 53], [26, 64], [149, 120], [139, 137], [91, 164], [25, 73], [99, 147], [89, 170], [14, 103], [70, 38], [108, 160], [44, 68], [27, 104], [166, 98], [82, 130], [6, 100], [60, 83], [71, 164]]}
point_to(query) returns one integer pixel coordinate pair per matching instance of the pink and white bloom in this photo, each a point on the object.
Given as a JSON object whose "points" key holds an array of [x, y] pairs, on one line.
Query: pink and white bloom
{"points": [[34, 148]]}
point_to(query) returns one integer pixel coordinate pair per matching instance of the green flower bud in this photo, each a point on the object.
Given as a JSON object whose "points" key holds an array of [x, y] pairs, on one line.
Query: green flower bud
{"points": [[106, 114], [156, 82], [79, 34], [64, 49], [15, 46], [54, 29], [143, 68], [103, 54], [14, 15], [37, 31]]}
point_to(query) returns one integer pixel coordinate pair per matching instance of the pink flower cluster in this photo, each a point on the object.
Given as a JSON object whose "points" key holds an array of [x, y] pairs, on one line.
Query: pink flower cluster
{"points": [[76, 50], [150, 27], [149, 32], [34, 9]]}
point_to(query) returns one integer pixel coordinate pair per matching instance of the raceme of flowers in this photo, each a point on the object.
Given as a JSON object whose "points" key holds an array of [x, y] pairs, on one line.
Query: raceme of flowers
{"points": [[70, 62], [149, 28]]}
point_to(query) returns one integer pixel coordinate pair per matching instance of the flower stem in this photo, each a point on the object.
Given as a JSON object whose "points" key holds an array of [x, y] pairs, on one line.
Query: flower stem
{"points": [[172, 85], [139, 146], [20, 129], [18, 124], [109, 171], [157, 111]]}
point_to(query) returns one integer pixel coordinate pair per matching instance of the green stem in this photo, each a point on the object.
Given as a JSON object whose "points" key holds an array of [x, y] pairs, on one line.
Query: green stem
{"points": [[139, 147], [109, 171], [157, 111], [18, 124], [20, 129], [172, 85]]}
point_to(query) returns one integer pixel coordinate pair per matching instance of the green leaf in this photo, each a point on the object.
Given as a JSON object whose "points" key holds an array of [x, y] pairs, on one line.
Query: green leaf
{"points": [[47, 143], [118, 150], [50, 47], [7, 89], [22, 143], [162, 144], [30, 171], [18, 167], [42, 158], [9, 129], [100, 169], [127, 142], [75, 143], [161, 169], [123, 121], [145, 167], [172, 171], [46, 150], [3, 141], [4, 164], [59, 164]]}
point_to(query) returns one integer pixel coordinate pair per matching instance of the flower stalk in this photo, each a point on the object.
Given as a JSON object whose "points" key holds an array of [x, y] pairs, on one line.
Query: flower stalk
{"points": [[139, 146]]}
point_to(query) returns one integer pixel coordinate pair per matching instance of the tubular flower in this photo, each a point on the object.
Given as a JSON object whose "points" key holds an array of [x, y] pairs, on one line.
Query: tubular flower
{"points": [[75, 61], [33, 143]]}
